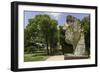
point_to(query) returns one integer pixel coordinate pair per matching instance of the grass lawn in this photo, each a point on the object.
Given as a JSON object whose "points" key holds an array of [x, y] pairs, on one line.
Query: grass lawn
{"points": [[34, 57]]}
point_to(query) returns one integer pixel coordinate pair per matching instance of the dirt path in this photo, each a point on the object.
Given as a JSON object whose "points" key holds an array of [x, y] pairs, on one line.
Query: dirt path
{"points": [[56, 58]]}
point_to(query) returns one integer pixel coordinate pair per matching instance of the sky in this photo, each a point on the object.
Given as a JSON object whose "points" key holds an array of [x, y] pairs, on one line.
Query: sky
{"points": [[59, 16]]}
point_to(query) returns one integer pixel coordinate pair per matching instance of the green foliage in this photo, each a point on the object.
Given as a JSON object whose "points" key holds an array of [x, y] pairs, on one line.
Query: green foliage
{"points": [[31, 57], [53, 36], [41, 37], [43, 30], [86, 26]]}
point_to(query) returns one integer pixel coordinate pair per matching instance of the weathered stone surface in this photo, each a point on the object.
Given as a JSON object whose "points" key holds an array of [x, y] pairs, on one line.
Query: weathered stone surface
{"points": [[80, 49], [74, 35]]}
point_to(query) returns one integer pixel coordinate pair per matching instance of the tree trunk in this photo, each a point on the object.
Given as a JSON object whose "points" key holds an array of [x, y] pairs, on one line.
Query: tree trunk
{"points": [[47, 45]]}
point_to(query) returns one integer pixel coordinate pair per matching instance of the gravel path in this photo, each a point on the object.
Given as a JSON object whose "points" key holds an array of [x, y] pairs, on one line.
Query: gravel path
{"points": [[56, 58]]}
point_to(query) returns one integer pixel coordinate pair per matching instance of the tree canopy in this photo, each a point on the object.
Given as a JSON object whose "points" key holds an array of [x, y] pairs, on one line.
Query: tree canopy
{"points": [[39, 30], [86, 25]]}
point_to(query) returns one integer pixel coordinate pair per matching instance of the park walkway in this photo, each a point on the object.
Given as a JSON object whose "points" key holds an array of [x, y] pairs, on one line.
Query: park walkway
{"points": [[56, 58]]}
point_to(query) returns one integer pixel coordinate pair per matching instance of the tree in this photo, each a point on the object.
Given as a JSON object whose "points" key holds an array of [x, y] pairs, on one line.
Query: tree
{"points": [[86, 25], [32, 35], [62, 38], [49, 29], [42, 29], [45, 29], [53, 38]]}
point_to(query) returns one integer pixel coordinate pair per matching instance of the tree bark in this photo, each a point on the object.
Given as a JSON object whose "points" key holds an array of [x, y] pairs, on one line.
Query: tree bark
{"points": [[47, 45]]}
